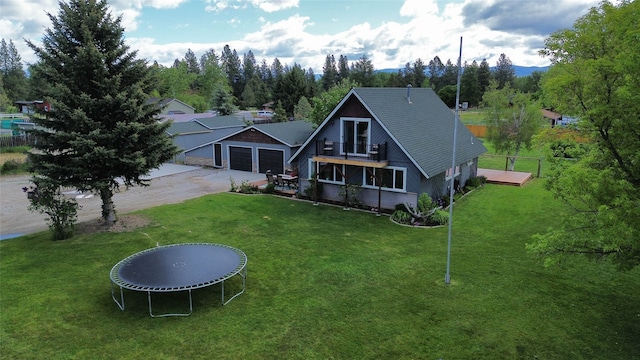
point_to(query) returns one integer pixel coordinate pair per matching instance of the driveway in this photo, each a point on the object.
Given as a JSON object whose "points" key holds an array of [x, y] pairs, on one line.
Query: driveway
{"points": [[170, 184]]}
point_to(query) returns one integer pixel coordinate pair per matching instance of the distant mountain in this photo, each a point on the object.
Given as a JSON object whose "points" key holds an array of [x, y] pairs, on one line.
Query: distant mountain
{"points": [[520, 70], [527, 70]]}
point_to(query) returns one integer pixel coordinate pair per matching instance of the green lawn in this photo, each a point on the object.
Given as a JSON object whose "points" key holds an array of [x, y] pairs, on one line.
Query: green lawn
{"points": [[327, 283]]}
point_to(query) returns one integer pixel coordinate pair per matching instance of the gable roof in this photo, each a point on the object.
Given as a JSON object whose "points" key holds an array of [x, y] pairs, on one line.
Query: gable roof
{"points": [[190, 127], [420, 124], [166, 101], [291, 133], [219, 122]]}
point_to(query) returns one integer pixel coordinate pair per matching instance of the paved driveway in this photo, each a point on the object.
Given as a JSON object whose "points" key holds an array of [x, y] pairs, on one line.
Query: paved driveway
{"points": [[170, 184]]}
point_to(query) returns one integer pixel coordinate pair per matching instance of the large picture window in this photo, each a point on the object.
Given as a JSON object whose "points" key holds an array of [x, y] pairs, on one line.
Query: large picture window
{"points": [[391, 178], [355, 135]]}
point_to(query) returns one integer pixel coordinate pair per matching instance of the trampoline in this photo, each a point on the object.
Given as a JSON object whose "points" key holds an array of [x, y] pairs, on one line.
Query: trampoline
{"points": [[179, 267]]}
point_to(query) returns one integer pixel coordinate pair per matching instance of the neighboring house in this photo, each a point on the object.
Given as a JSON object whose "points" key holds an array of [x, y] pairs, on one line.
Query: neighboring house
{"points": [[172, 106], [393, 143], [185, 117], [257, 148], [195, 138], [557, 119], [29, 107]]}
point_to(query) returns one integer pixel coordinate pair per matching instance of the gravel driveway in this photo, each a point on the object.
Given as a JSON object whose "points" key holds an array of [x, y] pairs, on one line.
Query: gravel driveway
{"points": [[169, 185]]}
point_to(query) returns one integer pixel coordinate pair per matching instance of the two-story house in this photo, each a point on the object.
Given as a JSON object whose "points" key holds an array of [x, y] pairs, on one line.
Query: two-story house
{"points": [[393, 143]]}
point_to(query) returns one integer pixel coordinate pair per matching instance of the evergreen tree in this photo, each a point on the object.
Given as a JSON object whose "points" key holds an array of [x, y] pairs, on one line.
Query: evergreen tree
{"points": [[303, 109], [436, 72], [343, 69], [329, 73], [279, 113], [100, 129], [504, 73], [419, 68], [484, 76], [230, 63], [14, 79], [192, 62], [450, 75], [469, 86], [362, 72], [223, 101], [290, 88]]}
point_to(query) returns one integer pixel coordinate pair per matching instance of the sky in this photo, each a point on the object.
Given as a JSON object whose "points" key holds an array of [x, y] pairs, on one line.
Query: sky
{"points": [[390, 33]]}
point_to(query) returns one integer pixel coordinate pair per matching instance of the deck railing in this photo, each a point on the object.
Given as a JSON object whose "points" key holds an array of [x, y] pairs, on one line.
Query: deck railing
{"points": [[326, 147]]}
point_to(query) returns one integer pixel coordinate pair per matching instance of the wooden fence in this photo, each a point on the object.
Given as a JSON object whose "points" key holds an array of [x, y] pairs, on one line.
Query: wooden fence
{"points": [[479, 131], [17, 140]]}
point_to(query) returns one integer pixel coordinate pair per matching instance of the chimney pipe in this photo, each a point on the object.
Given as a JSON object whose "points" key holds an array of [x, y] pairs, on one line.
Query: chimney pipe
{"points": [[409, 93]]}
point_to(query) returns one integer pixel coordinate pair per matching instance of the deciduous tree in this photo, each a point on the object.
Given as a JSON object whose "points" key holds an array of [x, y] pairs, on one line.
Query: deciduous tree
{"points": [[101, 129], [512, 120], [594, 76]]}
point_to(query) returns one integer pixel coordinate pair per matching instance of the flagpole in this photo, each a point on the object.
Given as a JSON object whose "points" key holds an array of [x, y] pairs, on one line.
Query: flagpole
{"points": [[447, 276]]}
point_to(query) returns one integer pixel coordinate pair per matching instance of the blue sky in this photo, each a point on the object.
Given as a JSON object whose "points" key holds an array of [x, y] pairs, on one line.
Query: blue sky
{"points": [[389, 32]]}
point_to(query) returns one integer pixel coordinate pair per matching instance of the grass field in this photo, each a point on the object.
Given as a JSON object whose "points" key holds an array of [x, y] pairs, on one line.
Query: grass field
{"points": [[326, 283]]}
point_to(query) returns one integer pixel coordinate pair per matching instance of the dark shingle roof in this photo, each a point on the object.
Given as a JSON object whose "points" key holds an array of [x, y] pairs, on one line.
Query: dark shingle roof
{"points": [[217, 122], [292, 133], [422, 127], [190, 127]]}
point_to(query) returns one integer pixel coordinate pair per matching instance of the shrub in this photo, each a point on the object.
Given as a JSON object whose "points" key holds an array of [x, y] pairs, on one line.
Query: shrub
{"points": [[46, 198], [310, 191], [11, 166], [401, 217], [476, 181], [439, 217], [270, 188], [247, 188], [234, 186]]}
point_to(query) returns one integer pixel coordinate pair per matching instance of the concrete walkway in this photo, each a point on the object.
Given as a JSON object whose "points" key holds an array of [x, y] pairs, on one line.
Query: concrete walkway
{"points": [[170, 184]]}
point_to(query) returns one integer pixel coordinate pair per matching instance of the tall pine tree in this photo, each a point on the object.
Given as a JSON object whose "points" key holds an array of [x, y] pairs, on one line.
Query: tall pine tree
{"points": [[101, 127]]}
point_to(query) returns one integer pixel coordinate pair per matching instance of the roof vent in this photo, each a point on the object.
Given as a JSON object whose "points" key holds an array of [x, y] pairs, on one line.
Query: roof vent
{"points": [[409, 93]]}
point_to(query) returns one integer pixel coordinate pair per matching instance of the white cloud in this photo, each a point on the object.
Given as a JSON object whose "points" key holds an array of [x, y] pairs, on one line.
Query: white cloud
{"points": [[264, 5], [274, 5]]}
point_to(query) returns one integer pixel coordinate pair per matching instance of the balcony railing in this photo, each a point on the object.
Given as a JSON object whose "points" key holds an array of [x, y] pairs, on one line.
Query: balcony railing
{"points": [[376, 152]]}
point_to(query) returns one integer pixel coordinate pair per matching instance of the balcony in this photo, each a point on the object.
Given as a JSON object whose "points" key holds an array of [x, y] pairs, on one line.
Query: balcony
{"points": [[372, 155]]}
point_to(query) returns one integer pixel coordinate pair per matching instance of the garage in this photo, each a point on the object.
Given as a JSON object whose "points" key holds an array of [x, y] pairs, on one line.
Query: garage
{"points": [[240, 158], [270, 160]]}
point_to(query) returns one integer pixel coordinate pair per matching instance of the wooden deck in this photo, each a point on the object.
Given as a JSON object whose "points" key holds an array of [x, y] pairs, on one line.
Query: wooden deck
{"points": [[505, 177]]}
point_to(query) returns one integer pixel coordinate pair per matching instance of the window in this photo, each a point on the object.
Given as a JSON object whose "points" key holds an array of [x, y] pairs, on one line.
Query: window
{"points": [[355, 135], [456, 173], [330, 173], [392, 178]]}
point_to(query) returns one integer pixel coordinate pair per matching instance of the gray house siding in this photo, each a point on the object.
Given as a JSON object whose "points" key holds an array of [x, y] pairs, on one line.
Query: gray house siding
{"points": [[417, 131]]}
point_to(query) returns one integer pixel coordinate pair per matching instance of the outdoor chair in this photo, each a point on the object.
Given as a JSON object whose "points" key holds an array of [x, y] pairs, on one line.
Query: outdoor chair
{"points": [[279, 180], [271, 179], [328, 147]]}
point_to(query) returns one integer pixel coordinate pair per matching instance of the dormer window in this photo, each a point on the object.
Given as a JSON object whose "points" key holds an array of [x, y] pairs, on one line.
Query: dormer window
{"points": [[356, 133]]}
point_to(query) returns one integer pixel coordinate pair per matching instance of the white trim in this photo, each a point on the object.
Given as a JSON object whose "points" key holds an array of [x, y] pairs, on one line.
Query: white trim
{"points": [[213, 150], [355, 120], [333, 167], [395, 169], [239, 146], [284, 162]]}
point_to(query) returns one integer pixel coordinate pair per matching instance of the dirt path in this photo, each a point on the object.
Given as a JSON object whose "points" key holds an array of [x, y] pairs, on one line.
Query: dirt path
{"points": [[15, 219]]}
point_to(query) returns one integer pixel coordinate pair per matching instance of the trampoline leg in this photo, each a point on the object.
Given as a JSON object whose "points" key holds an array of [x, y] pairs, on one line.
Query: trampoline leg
{"points": [[177, 314], [243, 275], [113, 296]]}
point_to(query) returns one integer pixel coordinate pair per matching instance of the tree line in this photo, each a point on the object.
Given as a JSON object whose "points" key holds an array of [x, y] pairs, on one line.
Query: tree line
{"points": [[227, 81]]}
